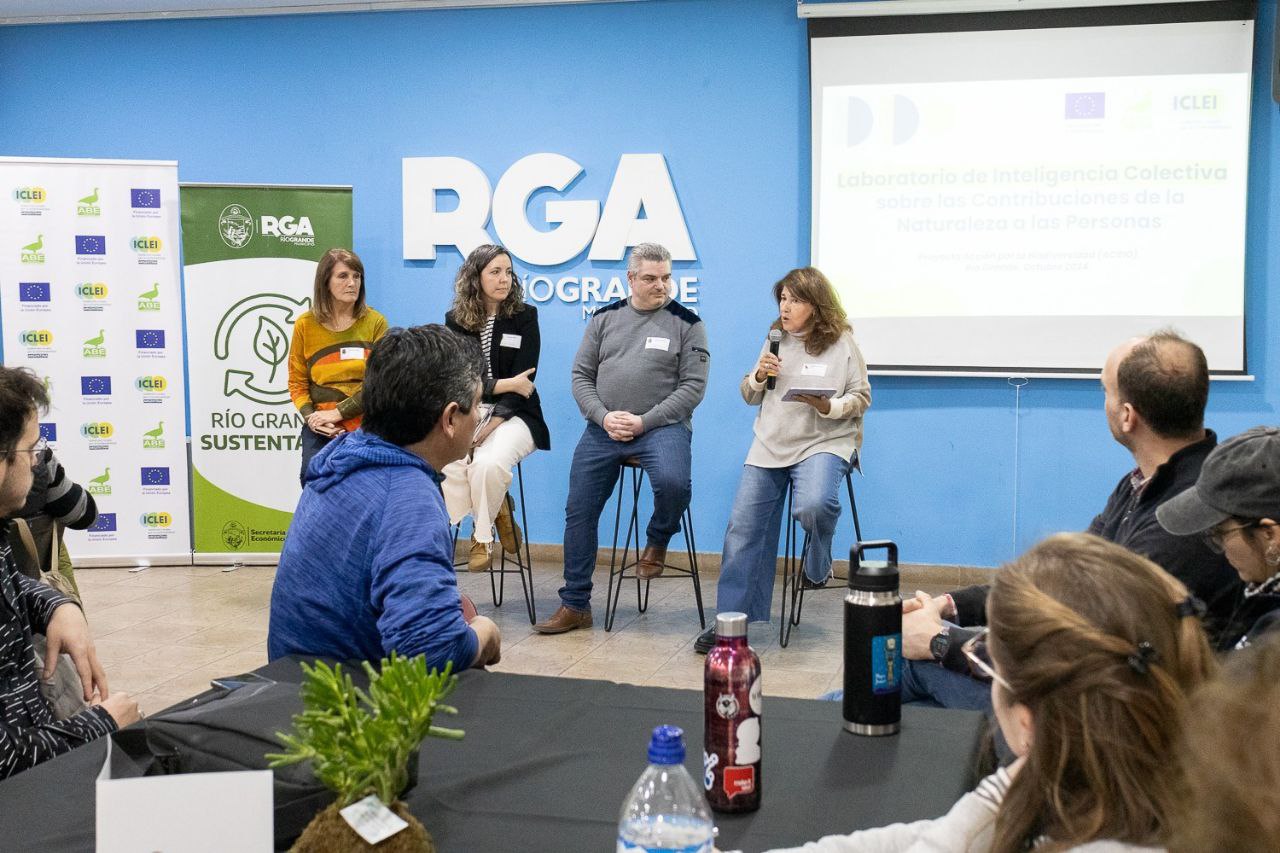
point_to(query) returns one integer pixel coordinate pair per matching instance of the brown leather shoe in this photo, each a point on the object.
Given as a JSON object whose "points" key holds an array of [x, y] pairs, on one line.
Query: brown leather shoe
{"points": [[508, 530], [480, 559], [564, 620], [651, 563]]}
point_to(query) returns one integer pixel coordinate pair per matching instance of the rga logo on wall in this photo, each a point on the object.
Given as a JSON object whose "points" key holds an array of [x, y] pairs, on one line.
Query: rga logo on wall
{"points": [[641, 207], [236, 226]]}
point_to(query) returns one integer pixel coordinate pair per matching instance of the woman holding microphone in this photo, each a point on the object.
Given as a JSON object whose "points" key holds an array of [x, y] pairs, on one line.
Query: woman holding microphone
{"points": [[488, 305], [806, 440], [328, 351]]}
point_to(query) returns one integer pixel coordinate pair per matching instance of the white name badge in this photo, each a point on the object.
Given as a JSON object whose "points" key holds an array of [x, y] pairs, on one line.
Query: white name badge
{"points": [[509, 340], [813, 370], [663, 344], [351, 353]]}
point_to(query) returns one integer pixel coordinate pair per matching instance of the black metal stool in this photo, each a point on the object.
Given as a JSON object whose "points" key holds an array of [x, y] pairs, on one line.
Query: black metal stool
{"points": [[793, 564], [521, 562], [619, 570]]}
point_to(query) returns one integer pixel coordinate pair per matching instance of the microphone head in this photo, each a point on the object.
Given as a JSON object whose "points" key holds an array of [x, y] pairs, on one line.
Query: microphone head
{"points": [[775, 336]]}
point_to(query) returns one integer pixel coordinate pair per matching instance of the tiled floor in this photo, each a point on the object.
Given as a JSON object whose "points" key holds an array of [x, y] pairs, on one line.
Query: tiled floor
{"points": [[162, 633]]}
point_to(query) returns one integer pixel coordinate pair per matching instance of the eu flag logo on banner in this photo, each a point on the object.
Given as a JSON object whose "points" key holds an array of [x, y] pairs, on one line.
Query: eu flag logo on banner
{"points": [[105, 523], [49, 431], [150, 338], [91, 386], [144, 198], [1086, 105], [33, 291], [155, 476], [91, 244]]}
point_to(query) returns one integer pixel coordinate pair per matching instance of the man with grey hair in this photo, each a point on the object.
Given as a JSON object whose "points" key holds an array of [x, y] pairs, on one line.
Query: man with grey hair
{"points": [[638, 375]]}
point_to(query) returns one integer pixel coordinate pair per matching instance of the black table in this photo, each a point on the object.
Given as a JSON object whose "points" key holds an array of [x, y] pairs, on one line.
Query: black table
{"points": [[547, 762]]}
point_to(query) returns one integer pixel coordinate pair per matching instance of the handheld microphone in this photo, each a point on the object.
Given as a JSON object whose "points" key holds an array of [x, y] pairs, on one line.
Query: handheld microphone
{"points": [[775, 338]]}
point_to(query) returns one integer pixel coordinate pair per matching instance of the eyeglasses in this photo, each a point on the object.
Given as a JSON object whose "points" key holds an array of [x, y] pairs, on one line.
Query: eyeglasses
{"points": [[40, 447], [976, 652], [1216, 537]]}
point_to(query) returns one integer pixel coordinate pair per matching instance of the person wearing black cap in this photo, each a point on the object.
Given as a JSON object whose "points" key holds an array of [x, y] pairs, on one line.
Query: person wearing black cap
{"points": [[1234, 506]]}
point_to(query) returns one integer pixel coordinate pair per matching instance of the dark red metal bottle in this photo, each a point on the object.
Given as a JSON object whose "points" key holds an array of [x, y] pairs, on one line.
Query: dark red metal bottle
{"points": [[732, 705]]}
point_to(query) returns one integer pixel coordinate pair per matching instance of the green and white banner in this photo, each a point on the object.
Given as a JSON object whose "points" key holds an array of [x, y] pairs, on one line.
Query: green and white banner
{"points": [[249, 255]]}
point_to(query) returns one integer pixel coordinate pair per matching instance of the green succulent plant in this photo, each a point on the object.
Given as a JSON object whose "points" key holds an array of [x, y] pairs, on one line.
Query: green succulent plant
{"points": [[360, 742]]}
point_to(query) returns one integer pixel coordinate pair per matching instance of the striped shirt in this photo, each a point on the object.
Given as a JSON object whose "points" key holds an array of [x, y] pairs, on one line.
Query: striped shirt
{"points": [[29, 734], [486, 344]]}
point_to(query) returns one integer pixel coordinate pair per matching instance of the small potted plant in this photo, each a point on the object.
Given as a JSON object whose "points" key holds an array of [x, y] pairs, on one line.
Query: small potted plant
{"points": [[360, 744]]}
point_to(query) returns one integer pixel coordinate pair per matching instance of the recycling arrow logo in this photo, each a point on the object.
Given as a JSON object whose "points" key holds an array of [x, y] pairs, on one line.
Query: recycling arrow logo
{"points": [[254, 336]]}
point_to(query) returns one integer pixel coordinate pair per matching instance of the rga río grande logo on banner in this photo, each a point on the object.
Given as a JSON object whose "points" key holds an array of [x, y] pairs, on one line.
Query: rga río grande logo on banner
{"points": [[237, 227]]}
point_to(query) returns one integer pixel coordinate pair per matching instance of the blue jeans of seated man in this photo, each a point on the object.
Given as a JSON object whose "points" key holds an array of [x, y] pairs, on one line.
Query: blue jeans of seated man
{"points": [[748, 563], [926, 683], [663, 454]]}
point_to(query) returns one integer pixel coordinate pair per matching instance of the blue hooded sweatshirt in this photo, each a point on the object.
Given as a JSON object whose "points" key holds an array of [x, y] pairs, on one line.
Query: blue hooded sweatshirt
{"points": [[367, 567]]}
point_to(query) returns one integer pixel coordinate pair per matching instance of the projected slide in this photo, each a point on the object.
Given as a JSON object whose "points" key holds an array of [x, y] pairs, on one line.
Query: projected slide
{"points": [[1034, 223]]}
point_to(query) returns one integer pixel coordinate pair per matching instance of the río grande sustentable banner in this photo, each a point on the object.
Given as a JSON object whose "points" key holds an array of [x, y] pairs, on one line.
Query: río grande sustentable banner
{"points": [[249, 255]]}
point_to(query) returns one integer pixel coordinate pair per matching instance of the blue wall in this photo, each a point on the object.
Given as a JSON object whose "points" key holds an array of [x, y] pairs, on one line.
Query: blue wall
{"points": [[721, 89]]}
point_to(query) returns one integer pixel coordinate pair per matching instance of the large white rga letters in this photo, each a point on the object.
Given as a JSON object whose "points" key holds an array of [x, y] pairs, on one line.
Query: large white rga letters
{"points": [[641, 182]]}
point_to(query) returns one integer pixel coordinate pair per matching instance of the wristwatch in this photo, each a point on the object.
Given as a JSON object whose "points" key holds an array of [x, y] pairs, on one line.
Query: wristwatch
{"points": [[940, 642]]}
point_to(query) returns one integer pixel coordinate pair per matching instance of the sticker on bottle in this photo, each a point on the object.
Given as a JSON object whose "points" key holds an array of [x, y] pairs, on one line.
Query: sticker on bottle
{"points": [[739, 780], [886, 663]]}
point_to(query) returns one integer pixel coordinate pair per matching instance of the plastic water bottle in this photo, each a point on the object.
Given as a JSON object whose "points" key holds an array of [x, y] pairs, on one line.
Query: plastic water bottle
{"points": [[665, 812]]}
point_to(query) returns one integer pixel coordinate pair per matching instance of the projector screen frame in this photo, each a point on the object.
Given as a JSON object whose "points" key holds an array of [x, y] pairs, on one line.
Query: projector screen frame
{"points": [[895, 17]]}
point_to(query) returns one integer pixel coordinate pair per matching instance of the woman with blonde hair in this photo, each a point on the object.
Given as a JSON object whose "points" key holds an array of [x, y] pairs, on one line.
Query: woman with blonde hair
{"points": [[328, 351], [488, 305], [1091, 652], [806, 440]]}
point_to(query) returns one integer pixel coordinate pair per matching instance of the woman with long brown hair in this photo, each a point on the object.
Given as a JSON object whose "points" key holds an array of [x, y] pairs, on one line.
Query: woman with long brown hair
{"points": [[806, 440], [328, 351], [488, 305], [1091, 652]]}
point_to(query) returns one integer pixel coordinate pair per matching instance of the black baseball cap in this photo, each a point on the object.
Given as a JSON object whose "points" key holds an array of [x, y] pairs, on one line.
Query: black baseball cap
{"points": [[1240, 478]]}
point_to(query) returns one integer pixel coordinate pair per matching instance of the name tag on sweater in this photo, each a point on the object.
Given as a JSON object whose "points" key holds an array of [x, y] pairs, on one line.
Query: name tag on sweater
{"points": [[510, 340], [813, 370], [663, 344], [351, 353]]}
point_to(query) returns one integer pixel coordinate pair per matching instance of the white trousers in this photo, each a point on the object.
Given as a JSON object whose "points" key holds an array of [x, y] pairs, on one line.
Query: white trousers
{"points": [[476, 486]]}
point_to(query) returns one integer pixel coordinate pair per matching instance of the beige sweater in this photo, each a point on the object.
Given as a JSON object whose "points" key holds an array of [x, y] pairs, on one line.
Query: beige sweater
{"points": [[788, 433]]}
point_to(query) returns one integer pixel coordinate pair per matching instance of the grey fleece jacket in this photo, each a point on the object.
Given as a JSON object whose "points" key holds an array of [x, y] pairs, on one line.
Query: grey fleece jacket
{"points": [[649, 363]]}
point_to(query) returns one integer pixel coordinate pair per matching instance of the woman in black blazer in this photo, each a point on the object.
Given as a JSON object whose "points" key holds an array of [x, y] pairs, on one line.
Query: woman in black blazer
{"points": [[488, 305]]}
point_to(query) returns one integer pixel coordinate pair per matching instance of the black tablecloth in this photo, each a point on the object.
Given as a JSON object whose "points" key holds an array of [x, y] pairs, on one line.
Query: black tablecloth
{"points": [[547, 762]]}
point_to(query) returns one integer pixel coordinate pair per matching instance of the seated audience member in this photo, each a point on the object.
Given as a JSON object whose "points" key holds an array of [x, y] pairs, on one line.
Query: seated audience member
{"points": [[367, 566], [29, 733], [55, 502], [1156, 389], [640, 371], [489, 306], [1232, 758], [1091, 653], [809, 443], [1235, 505]]}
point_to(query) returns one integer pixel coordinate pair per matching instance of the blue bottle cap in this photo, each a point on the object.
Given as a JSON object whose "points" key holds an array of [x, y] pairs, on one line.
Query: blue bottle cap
{"points": [[667, 745]]}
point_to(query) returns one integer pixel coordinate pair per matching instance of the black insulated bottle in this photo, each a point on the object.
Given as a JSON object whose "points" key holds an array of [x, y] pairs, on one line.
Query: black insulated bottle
{"points": [[873, 643]]}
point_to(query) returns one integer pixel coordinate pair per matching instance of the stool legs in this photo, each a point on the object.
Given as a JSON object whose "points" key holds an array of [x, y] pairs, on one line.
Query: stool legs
{"points": [[619, 570], [521, 563], [793, 565]]}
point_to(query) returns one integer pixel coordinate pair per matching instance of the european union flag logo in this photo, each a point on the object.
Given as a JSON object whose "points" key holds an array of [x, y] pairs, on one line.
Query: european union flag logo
{"points": [[33, 291], [49, 431], [155, 476], [91, 244], [144, 198], [150, 338], [105, 523], [1086, 104], [92, 386]]}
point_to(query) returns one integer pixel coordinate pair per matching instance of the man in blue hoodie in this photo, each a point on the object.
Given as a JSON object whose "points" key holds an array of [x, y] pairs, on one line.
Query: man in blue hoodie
{"points": [[367, 567]]}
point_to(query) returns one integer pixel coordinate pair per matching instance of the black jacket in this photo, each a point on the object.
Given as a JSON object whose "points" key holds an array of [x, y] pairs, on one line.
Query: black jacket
{"points": [[509, 361], [1257, 615], [1129, 519]]}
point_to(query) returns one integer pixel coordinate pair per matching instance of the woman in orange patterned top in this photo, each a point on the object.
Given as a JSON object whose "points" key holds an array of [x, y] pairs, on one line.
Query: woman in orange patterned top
{"points": [[327, 356]]}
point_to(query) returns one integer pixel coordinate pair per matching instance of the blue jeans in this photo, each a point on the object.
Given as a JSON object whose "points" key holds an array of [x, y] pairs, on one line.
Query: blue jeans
{"points": [[663, 454], [312, 443], [926, 683], [748, 563]]}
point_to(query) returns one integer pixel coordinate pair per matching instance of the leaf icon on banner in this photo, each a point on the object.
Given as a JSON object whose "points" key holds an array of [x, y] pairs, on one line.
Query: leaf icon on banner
{"points": [[269, 344]]}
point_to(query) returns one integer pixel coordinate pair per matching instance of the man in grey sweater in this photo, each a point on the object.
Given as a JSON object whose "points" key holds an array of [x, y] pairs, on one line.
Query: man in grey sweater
{"points": [[638, 375]]}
